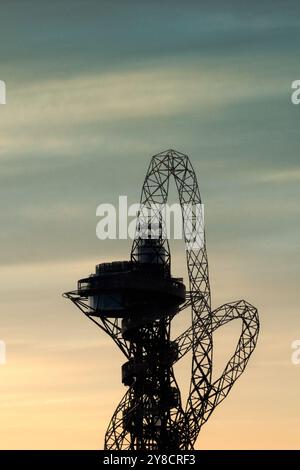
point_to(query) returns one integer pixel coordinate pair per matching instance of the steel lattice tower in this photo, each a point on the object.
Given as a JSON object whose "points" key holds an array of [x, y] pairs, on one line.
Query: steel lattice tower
{"points": [[135, 301]]}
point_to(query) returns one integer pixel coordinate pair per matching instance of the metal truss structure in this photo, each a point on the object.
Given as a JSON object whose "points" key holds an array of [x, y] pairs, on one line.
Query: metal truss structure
{"points": [[151, 415]]}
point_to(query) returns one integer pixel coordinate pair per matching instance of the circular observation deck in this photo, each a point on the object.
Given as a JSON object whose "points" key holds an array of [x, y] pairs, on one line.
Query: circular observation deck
{"points": [[123, 289]]}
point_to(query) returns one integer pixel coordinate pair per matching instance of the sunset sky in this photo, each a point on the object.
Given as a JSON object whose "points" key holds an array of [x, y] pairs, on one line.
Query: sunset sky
{"points": [[94, 88]]}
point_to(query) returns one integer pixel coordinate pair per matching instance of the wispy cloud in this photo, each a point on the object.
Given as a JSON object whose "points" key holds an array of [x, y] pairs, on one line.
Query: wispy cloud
{"points": [[45, 116], [281, 176]]}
